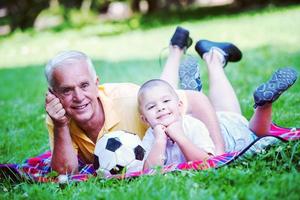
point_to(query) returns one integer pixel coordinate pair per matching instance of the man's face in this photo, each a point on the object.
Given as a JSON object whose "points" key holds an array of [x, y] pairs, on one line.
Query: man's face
{"points": [[76, 90], [160, 106]]}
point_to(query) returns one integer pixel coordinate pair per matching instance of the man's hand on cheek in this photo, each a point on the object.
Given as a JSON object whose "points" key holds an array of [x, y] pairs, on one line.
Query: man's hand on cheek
{"points": [[55, 110]]}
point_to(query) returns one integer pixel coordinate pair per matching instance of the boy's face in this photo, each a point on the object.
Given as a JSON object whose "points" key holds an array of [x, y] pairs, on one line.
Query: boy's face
{"points": [[159, 105]]}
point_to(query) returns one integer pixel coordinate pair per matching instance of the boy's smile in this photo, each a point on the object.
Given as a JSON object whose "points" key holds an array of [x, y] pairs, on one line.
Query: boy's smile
{"points": [[160, 106]]}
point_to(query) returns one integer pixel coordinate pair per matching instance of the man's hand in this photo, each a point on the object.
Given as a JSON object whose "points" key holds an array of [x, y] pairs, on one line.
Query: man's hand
{"points": [[55, 110], [64, 158]]}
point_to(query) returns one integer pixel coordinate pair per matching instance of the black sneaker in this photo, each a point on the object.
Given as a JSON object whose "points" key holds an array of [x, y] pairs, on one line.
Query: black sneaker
{"points": [[181, 38], [189, 75], [231, 52], [280, 81]]}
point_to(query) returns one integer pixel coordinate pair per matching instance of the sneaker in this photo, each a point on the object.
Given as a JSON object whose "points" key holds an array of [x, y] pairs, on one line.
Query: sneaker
{"points": [[181, 38], [231, 52], [189, 74], [280, 81]]}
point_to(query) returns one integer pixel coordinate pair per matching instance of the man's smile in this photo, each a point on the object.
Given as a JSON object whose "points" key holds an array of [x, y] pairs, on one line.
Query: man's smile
{"points": [[80, 107]]}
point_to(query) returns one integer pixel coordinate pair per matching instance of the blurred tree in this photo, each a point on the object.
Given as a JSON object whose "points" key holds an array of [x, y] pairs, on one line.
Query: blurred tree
{"points": [[70, 4], [22, 14], [86, 5], [103, 5], [261, 3], [155, 5], [135, 5]]}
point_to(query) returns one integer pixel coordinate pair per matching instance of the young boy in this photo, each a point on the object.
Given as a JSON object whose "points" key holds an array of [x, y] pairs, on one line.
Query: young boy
{"points": [[172, 136]]}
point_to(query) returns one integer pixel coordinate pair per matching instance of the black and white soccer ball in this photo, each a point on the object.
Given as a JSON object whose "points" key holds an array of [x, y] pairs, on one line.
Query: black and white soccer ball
{"points": [[118, 152]]}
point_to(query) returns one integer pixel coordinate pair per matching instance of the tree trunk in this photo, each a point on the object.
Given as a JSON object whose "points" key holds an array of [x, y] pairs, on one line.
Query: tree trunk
{"points": [[23, 13], [135, 5], [86, 5], [153, 5]]}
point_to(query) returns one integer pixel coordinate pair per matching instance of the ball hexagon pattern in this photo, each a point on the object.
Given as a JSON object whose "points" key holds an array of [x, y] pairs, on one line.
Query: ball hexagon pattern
{"points": [[118, 152]]}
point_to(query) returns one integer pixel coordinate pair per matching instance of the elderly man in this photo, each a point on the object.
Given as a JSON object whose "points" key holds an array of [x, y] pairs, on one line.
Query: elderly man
{"points": [[80, 111]]}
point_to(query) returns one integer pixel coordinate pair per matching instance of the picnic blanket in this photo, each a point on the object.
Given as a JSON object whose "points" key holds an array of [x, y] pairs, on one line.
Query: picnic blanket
{"points": [[37, 169]]}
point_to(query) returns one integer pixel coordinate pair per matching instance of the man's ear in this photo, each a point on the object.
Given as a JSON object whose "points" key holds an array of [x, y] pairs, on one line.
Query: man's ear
{"points": [[97, 80]]}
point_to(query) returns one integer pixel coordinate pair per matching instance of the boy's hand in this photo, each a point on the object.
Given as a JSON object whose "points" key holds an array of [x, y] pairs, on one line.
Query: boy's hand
{"points": [[175, 130], [55, 110], [160, 133]]}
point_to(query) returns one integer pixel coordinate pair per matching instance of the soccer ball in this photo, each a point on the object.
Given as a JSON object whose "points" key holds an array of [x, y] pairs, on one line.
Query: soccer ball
{"points": [[118, 152]]}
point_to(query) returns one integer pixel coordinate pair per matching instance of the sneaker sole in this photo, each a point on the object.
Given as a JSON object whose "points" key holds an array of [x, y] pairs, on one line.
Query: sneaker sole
{"points": [[280, 81], [189, 75]]}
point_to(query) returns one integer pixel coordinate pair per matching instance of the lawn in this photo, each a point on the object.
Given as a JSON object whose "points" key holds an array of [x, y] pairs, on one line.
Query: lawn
{"points": [[269, 39]]}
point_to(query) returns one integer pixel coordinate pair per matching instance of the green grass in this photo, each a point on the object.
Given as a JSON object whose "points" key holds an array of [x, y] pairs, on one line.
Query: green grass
{"points": [[269, 39]]}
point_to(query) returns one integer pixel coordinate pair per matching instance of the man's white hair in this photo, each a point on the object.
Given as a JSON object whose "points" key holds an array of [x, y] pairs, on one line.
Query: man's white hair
{"points": [[65, 57]]}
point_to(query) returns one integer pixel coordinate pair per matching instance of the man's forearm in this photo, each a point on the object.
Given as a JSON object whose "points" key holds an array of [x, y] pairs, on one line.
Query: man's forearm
{"points": [[64, 158]]}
